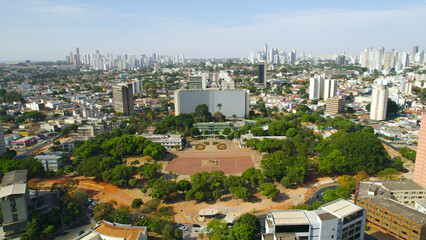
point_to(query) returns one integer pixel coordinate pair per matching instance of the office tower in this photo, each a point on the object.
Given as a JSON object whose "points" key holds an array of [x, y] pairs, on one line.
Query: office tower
{"points": [[335, 105], [137, 86], [339, 219], [415, 50], [293, 56], [77, 56], [420, 165], [265, 50], [379, 103], [341, 60], [197, 82], [123, 98], [261, 73], [2, 144]]}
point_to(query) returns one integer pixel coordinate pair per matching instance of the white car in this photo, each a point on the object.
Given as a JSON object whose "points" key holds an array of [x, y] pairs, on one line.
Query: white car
{"points": [[203, 229], [183, 228]]}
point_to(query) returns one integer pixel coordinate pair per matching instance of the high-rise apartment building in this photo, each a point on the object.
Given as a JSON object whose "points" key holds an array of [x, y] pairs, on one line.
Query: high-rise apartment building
{"points": [[137, 86], [322, 88], [261, 73], [420, 166], [335, 105], [379, 103], [341, 60], [123, 98], [2, 143]]}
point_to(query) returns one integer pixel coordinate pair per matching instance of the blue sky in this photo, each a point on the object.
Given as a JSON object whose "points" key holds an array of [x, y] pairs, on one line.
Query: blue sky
{"points": [[50, 29]]}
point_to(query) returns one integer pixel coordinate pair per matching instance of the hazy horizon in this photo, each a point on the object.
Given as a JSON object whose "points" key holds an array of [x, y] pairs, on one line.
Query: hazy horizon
{"points": [[47, 30]]}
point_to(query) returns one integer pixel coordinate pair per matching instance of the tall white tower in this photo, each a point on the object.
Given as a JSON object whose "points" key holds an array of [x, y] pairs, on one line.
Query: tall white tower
{"points": [[379, 103]]}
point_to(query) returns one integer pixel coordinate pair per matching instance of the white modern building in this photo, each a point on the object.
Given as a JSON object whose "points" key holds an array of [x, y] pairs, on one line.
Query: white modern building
{"points": [[330, 89], [340, 220], [379, 103], [322, 88], [228, 102], [50, 160], [166, 140], [137, 86]]}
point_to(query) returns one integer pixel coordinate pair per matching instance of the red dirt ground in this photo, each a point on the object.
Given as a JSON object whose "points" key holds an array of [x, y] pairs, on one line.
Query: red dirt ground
{"points": [[192, 165]]}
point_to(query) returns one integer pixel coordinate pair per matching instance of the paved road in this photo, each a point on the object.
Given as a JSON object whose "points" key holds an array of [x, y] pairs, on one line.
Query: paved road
{"points": [[85, 223], [318, 195]]}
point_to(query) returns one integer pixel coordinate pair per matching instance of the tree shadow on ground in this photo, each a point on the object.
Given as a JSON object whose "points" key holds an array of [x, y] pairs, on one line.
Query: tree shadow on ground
{"points": [[280, 197], [255, 199], [226, 199]]}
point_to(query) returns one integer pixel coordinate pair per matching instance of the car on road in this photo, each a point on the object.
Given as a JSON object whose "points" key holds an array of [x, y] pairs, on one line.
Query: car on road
{"points": [[183, 228], [196, 225], [203, 229], [262, 229], [80, 233]]}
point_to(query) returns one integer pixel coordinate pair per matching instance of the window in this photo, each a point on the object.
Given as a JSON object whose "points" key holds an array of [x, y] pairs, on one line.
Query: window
{"points": [[415, 231]]}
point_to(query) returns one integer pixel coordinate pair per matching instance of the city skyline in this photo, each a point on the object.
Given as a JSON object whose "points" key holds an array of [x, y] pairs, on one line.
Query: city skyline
{"points": [[46, 30]]}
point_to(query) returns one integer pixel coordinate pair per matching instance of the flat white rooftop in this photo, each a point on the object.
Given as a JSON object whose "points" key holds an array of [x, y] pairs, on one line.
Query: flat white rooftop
{"points": [[341, 208], [289, 217]]}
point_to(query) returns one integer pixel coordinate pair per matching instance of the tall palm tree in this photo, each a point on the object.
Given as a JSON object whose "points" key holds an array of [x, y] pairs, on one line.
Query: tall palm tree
{"points": [[219, 105]]}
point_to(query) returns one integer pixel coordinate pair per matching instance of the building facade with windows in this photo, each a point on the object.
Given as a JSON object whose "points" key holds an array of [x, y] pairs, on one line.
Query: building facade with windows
{"points": [[340, 220], [390, 204]]}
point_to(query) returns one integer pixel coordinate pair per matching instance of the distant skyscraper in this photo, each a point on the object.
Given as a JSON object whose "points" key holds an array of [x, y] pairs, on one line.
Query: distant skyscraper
{"points": [[265, 49], [123, 98], [341, 60], [415, 50], [379, 103], [137, 86], [293, 56], [420, 165], [77, 58], [2, 144], [261, 73], [251, 57]]}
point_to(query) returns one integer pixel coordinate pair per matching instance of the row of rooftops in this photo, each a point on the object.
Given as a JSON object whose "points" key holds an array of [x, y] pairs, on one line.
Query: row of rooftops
{"points": [[14, 183], [382, 193]]}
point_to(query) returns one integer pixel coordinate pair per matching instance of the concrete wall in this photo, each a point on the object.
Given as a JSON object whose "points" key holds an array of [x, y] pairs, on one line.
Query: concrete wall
{"points": [[233, 101]]}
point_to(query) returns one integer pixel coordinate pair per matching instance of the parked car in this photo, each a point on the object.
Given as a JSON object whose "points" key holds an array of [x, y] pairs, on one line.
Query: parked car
{"points": [[196, 225], [79, 233]]}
